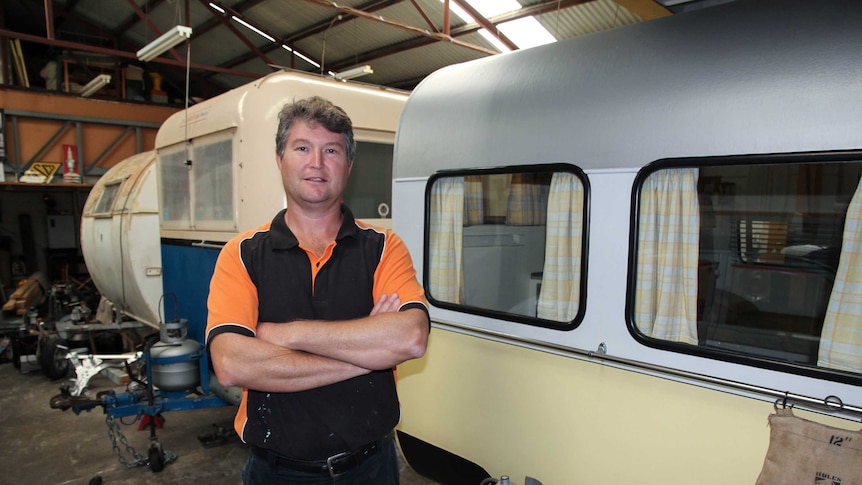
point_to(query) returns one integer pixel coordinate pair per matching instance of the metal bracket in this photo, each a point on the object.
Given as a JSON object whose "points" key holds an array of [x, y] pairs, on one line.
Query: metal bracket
{"points": [[88, 366]]}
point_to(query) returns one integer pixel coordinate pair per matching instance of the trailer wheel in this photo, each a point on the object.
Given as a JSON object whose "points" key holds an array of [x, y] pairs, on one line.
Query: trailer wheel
{"points": [[52, 357], [156, 458]]}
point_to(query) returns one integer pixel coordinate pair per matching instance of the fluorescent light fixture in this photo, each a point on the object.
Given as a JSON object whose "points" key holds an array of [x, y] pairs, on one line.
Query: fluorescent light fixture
{"points": [[164, 43], [253, 28], [96, 84], [216, 7], [306, 59], [353, 73]]}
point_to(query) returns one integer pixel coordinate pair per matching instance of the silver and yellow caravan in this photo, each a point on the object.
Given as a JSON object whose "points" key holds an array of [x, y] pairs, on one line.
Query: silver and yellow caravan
{"points": [[636, 244]]}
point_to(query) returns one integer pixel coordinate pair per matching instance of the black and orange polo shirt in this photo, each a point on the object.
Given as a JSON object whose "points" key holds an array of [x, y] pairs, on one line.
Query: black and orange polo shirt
{"points": [[264, 275]]}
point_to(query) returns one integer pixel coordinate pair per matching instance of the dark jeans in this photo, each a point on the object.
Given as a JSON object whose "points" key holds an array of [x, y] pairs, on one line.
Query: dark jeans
{"points": [[380, 469]]}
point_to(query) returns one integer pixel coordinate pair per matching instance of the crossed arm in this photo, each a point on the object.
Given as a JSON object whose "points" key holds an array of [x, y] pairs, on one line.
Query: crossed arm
{"points": [[306, 354]]}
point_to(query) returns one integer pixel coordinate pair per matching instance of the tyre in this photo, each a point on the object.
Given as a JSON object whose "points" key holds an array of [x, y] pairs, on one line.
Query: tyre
{"points": [[52, 357], [156, 458]]}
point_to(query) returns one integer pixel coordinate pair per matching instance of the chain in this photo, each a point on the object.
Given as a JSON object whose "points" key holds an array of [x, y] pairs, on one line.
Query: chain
{"points": [[114, 432]]}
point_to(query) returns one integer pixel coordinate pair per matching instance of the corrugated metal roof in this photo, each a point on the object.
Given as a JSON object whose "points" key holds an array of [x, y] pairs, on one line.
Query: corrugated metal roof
{"points": [[587, 18], [402, 40]]}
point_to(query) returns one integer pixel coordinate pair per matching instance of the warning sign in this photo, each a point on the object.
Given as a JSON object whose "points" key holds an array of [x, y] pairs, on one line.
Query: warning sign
{"points": [[40, 172]]}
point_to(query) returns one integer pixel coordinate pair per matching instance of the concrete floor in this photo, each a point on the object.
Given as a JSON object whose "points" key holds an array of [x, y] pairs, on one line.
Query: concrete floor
{"points": [[47, 446]]}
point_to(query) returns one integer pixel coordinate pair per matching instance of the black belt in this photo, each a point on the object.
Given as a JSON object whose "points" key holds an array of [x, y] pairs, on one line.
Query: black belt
{"points": [[333, 466]]}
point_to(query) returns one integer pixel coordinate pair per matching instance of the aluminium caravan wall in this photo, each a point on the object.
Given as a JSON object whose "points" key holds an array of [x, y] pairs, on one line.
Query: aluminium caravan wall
{"points": [[706, 83], [611, 103], [520, 412]]}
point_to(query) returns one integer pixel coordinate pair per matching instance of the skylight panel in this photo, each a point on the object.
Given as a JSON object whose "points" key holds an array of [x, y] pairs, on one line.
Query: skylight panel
{"points": [[494, 41], [524, 32], [490, 8]]}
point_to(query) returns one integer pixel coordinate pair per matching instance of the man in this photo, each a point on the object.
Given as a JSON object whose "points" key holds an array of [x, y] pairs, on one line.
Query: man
{"points": [[310, 313]]}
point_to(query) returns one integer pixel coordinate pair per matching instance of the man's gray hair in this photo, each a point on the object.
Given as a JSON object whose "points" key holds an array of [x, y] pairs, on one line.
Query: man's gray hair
{"points": [[315, 110]]}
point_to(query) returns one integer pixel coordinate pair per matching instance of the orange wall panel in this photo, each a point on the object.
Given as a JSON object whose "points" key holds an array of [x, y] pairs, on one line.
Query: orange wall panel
{"points": [[34, 133]]}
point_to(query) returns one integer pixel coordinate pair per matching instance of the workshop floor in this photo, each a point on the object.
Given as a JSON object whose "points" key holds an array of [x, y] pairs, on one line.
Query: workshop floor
{"points": [[44, 446]]}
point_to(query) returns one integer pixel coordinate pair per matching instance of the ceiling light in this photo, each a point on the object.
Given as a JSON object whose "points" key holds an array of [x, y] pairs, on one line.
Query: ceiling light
{"points": [[253, 28], [96, 84], [164, 43], [354, 73], [306, 59]]}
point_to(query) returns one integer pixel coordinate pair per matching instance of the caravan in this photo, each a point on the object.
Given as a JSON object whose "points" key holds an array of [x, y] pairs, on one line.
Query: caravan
{"points": [[636, 244]]}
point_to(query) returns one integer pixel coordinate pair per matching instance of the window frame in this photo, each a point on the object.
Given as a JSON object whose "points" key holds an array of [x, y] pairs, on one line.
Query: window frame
{"points": [[712, 352], [192, 152], [185, 223], [99, 210], [497, 314], [197, 155], [367, 153]]}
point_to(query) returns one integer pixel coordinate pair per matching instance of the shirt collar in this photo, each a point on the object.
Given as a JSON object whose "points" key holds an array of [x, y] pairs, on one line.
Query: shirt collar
{"points": [[283, 237]]}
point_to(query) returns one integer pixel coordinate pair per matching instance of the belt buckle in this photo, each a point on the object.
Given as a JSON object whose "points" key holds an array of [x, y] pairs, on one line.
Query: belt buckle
{"points": [[331, 460]]}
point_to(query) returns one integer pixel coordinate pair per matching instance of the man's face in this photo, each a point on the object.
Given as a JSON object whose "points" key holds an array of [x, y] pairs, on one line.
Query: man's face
{"points": [[314, 166]]}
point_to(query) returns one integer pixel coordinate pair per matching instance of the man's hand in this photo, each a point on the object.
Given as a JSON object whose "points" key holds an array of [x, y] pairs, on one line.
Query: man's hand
{"points": [[386, 304]]}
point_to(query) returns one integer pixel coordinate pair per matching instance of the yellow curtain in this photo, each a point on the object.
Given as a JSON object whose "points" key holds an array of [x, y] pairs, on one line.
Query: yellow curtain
{"points": [[667, 253], [841, 337], [526, 203], [561, 274], [474, 201], [445, 240]]}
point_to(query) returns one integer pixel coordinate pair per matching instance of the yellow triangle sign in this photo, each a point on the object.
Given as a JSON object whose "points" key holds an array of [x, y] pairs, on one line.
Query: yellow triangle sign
{"points": [[40, 172]]}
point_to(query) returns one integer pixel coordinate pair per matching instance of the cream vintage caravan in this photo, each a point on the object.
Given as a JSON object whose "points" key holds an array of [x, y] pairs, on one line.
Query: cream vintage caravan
{"points": [[153, 225]]}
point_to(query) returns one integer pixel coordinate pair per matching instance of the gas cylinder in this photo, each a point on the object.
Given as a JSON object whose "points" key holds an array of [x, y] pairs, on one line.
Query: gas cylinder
{"points": [[175, 359]]}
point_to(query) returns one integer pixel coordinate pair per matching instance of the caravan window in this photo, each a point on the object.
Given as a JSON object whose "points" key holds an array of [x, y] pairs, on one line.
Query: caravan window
{"points": [[751, 259], [106, 200], [213, 181], [369, 190], [508, 243], [199, 195], [175, 188]]}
